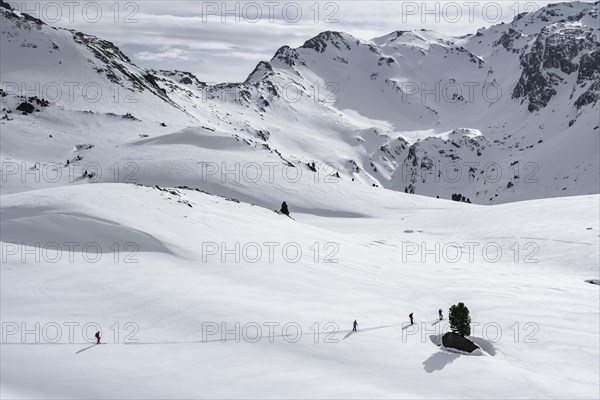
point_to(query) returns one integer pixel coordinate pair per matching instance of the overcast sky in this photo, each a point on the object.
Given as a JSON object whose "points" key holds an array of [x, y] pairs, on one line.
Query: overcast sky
{"points": [[223, 41]]}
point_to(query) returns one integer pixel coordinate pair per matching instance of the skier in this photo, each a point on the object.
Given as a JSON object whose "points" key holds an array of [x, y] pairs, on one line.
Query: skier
{"points": [[441, 316], [355, 324], [411, 318], [97, 337]]}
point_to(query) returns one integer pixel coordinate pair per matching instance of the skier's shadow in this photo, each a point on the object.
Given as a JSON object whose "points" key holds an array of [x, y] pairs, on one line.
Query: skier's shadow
{"points": [[86, 348], [375, 328], [368, 329]]}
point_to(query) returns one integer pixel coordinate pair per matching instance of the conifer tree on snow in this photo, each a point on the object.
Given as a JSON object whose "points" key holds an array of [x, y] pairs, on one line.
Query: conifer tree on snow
{"points": [[460, 321], [284, 209]]}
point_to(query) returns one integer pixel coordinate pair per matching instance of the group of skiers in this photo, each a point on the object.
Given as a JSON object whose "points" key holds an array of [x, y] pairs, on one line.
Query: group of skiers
{"points": [[410, 316], [354, 325]]}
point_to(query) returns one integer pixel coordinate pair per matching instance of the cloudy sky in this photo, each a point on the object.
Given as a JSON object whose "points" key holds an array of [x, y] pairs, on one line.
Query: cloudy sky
{"points": [[223, 41]]}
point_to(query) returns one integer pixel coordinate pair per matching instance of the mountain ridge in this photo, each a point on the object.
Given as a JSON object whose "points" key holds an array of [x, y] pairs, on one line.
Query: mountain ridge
{"points": [[393, 117]]}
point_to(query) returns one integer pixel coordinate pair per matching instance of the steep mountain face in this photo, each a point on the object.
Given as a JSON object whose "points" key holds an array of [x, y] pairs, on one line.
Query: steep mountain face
{"points": [[509, 113], [73, 70], [562, 50]]}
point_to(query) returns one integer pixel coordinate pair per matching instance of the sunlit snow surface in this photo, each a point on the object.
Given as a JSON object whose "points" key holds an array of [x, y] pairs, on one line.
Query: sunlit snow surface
{"points": [[172, 246]]}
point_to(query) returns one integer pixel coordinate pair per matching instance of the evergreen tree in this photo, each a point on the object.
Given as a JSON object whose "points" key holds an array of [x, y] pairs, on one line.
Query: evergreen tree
{"points": [[460, 321]]}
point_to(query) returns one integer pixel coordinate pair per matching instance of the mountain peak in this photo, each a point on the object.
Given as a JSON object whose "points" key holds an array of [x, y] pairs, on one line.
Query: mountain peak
{"points": [[421, 36], [551, 13], [262, 70], [339, 40]]}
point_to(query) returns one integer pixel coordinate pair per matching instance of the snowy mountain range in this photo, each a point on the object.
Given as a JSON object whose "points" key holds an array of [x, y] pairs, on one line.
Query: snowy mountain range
{"points": [[146, 205], [511, 115]]}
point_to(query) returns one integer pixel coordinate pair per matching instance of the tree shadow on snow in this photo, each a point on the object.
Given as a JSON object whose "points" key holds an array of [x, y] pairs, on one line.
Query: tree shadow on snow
{"points": [[444, 357], [484, 345], [436, 339], [438, 361]]}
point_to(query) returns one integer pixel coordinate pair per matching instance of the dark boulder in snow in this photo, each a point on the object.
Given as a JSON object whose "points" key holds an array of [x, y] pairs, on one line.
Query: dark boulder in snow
{"points": [[455, 341], [26, 108]]}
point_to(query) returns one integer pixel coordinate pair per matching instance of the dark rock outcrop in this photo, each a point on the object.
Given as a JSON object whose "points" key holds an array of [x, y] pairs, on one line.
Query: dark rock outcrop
{"points": [[455, 341], [26, 108], [508, 38], [563, 50]]}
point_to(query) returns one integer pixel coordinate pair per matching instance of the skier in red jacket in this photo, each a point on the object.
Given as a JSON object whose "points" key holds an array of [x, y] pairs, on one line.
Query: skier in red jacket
{"points": [[97, 337]]}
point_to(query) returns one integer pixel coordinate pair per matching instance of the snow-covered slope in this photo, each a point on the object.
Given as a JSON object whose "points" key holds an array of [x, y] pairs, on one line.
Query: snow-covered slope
{"points": [[513, 115], [169, 278]]}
